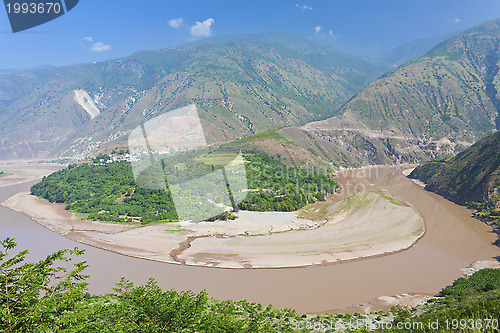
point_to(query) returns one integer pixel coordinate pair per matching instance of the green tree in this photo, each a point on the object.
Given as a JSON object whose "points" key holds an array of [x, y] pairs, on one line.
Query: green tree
{"points": [[149, 309], [42, 296]]}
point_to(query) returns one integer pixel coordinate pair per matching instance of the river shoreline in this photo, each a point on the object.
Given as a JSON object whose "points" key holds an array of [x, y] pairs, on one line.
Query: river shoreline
{"points": [[489, 223], [283, 240], [18, 173], [453, 240]]}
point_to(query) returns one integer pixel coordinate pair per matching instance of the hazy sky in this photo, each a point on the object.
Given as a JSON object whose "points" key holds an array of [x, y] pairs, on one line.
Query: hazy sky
{"points": [[102, 29]]}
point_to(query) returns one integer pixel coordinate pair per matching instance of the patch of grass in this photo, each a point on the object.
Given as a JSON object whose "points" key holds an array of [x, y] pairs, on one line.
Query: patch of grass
{"points": [[317, 211], [82, 216], [173, 230], [272, 134], [482, 281], [358, 201], [391, 199], [216, 159]]}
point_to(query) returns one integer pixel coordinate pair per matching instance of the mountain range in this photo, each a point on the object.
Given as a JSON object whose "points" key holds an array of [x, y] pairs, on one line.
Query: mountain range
{"points": [[431, 107], [279, 93], [241, 85]]}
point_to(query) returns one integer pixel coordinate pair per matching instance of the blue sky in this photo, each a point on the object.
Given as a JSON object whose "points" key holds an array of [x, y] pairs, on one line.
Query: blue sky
{"points": [[97, 30]]}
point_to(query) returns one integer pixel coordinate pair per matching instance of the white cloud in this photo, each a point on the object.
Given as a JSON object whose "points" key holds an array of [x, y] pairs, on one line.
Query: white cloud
{"points": [[332, 35], [304, 7], [175, 23], [202, 29], [100, 47], [321, 33], [457, 20], [96, 47]]}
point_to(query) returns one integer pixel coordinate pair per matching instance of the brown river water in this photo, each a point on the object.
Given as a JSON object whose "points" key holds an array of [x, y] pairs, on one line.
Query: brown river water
{"points": [[453, 240]]}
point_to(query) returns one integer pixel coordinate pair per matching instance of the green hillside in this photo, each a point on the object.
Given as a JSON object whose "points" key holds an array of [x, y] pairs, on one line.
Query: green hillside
{"points": [[450, 92], [472, 177]]}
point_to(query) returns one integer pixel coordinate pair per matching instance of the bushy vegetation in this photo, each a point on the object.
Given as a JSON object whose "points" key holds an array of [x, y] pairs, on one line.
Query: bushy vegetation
{"points": [[51, 296], [44, 297], [469, 305], [482, 281], [475, 314], [282, 188], [108, 192], [471, 177]]}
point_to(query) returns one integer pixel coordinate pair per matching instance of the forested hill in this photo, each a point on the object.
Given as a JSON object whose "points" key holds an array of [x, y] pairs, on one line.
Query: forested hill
{"points": [[107, 191], [473, 176]]}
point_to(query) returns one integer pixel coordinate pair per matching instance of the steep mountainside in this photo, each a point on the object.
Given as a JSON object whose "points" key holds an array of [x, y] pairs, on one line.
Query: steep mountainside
{"points": [[471, 176], [443, 94], [240, 86], [432, 107]]}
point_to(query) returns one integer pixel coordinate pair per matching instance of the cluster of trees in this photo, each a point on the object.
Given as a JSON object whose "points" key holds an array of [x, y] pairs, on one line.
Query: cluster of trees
{"points": [[223, 217], [108, 192], [284, 188], [480, 282], [469, 305], [120, 151]]}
